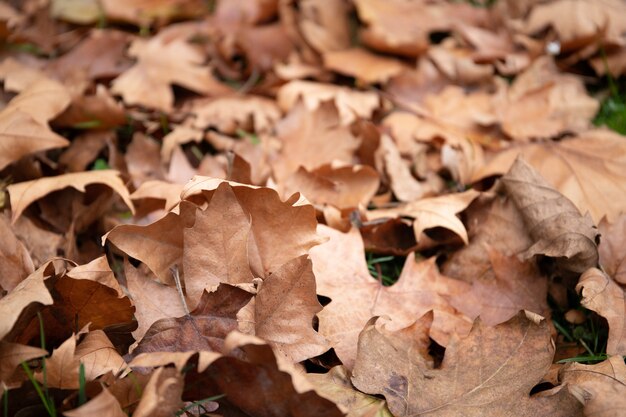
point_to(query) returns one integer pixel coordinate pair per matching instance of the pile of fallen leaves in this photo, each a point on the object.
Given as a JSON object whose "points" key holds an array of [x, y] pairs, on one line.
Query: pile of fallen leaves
{"points": [[311, 208]]}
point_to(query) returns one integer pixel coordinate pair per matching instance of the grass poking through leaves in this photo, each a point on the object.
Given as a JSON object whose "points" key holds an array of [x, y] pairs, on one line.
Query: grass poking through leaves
{"points": [[387, 269]]}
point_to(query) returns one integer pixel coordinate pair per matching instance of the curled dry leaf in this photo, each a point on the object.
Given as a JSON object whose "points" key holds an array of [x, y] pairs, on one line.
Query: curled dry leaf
{"points": [[601, 388], [97, 270], [25, 193], [342, 275], [103, 404], [11, 356], [604, 296], [336, 386], [613, 248], [556, 226], [351, 104], [363, 65], [161, 397], [15, 262], [432, 212], [488, 373], [589, 169]]}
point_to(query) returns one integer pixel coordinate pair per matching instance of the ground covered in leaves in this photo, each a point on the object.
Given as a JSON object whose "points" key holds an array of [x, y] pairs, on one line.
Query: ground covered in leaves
{"points": [[312, 208]]}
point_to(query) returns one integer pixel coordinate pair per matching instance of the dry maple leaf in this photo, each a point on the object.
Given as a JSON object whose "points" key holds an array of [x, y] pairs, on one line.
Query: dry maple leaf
{"points": [[589, 169], [351, 104], [336, 386], [556, 226], [604, 296], [103, 405], [341, 274], [204, 328], [601, 388], [161, 63], [24, 193], [491, 372], [612, 248], [432, 212]]}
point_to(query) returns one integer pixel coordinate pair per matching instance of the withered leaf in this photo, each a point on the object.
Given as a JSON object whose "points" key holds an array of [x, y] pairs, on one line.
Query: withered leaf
{"points": [[162, 394], [15, 262], [104, 405], [604, 296], [205, 328], [489, 373], [11, 355], [554, 223], [24, 193], [613, 248]]}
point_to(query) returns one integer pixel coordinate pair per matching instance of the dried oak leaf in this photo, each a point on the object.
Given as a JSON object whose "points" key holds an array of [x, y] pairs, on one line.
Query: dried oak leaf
{"points": [[249, 365], [432, 212], [205, 328], [343, 187], [351, 104], [145, 12], [557, 228], [491, 372], [160, 63], [285, 307], [544, 103], [25, 193], [403, 27], [341, 274], [31, 290], [363, 65], [601, 388], [604, 296], [336, 386], [311, 139], [103, 405], [15, 262], [612, 248], [95, 352], [589, 169]]}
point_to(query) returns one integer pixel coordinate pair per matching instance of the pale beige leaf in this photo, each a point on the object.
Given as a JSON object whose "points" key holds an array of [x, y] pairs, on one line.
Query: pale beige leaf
{"points": [[97, 270], [363, 65], [15, 262], [25, 193], [612, 248], [102, 405]]}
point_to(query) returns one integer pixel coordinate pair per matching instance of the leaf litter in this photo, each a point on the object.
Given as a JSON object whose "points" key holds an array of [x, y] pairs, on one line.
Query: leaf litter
{"points": [[362, 208]]}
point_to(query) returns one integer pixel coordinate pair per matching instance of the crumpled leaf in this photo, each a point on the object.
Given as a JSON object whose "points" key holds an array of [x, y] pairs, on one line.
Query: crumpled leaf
{"points": [[103, 404], [489, 373], [589, 169], [342, 275], [336, 386], [604, 296], [613, 248], [285, 307], [351, 104], [601, 388], [25, 193], [15, 261], [554, 223], [432, 212]]}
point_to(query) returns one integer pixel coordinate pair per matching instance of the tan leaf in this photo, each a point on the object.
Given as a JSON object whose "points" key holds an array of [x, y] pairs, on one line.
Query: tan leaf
{"points": [[341, 274], [164, 191], [488, 373], [21, 135], [179, 136], [82, 12], [556, 226], [343, 187], [285, 306], [162, 395], [145, 12], [216, 247], [512, 285], [159, 65], [336, 386], [153, 301], [363, 65], [31, 290], [25, 193], [97, 270], [104, 405], [15, 262], [432, 212], [578, 168], [84, 150], [602, 295], [351, 104], [11, 356], [601, 388], [612, 248], [543, 103], [311, 139], [43, 100]]}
